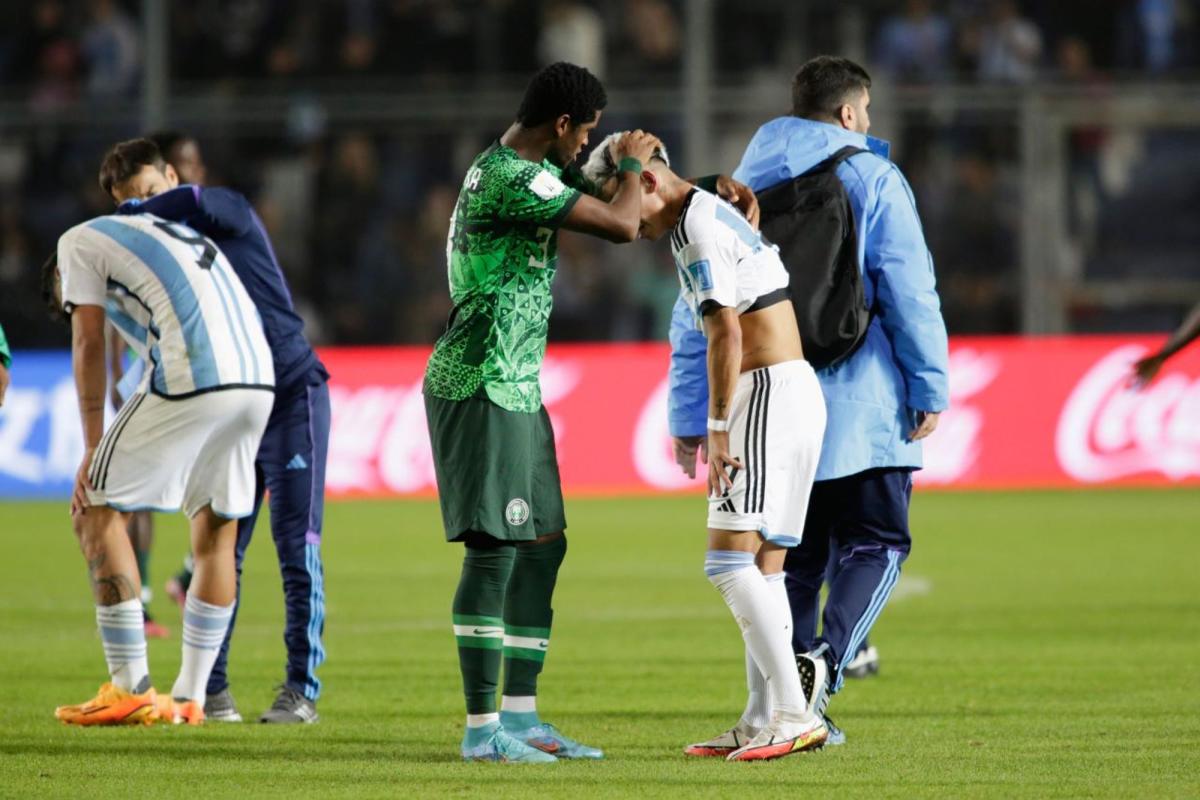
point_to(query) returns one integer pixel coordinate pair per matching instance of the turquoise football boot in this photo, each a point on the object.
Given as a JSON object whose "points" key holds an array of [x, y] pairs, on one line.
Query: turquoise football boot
{"points": [[493, 743], [547, 738]]}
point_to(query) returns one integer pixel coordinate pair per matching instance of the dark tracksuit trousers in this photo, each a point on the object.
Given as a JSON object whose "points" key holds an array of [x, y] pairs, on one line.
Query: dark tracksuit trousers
{"points": [[861, 521], [291, 466]]}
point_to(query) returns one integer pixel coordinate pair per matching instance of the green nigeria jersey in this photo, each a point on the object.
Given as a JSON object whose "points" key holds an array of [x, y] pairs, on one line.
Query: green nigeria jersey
{"points": [[501, 254]]}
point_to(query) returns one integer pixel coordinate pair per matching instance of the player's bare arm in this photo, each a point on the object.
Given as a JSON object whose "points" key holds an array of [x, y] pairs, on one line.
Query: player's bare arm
{"points": [[91, 381], [1147, 368], [619, 219], [724, 365]]}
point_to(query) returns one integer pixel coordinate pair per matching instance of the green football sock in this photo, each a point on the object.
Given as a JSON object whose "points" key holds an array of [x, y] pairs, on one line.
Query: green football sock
{"points": [[478, 622], [143, 565], [527, 614]]}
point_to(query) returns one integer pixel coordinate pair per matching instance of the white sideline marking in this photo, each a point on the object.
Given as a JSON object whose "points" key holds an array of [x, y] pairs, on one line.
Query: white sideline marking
{"points": [[910, 586]]}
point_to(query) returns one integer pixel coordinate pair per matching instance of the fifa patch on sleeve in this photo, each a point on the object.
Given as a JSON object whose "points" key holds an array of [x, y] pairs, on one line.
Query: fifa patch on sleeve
{"points": [[546, 186], [701, 275]]}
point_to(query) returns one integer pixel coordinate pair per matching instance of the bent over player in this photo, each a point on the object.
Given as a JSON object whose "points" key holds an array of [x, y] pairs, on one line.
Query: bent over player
{"points": [[290, 464], [185, 440], [765, 423]]}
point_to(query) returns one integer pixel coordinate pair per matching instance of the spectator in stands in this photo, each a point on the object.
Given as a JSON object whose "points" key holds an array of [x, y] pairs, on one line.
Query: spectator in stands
{"points": [[915, 46], [1009, 45], [652, 29], [54, 57], [572, 31], [111, 51]]}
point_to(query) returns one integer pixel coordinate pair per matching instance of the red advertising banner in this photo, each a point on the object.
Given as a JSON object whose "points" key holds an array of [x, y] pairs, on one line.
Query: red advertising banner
{"points": [[1039, 412]]}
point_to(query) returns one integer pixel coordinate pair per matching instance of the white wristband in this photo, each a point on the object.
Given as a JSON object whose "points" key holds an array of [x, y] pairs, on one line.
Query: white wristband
{"points": [[718, 424]]}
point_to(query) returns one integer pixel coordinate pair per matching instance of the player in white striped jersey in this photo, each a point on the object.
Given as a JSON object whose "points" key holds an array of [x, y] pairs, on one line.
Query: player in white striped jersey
{"points": [[185, 440], [766, 421]]}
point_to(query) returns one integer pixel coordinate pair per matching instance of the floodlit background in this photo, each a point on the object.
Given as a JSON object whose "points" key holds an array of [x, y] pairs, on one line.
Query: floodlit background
{"points": [[1045, 636], [1053, 146]]}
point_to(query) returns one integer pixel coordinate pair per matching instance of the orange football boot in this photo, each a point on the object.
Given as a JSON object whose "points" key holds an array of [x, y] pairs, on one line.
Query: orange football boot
{"points": [[112, 705], [178, 712]]}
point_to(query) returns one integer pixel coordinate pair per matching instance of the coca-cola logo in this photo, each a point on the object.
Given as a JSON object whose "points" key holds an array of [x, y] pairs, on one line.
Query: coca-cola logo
{"points": [[1108, 430]]}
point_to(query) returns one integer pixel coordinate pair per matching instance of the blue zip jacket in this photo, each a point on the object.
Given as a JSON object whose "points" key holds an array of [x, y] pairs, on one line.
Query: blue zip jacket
{"points": [[226, 217], [901, 367]]}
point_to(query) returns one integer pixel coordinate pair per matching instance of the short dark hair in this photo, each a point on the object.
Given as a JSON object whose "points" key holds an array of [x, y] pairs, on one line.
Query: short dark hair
{"points": [[559, 89], [49, 284], [126, 159], [168, 140], [823, 85]]}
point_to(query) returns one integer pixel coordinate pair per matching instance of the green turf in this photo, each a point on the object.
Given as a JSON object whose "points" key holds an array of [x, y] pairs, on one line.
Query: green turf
{"points": [[1043, 645]]}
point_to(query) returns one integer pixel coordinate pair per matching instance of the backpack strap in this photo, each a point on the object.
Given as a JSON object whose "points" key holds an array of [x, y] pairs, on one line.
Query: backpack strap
{"points": [[831, 163]]}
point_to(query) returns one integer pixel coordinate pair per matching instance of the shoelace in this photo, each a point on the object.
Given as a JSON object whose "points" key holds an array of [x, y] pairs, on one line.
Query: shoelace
{"points": [[509, 745], [287, 700]]}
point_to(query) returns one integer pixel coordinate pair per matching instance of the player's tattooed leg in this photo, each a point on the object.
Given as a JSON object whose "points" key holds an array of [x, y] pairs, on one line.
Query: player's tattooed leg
{"points": [[109, 589]]}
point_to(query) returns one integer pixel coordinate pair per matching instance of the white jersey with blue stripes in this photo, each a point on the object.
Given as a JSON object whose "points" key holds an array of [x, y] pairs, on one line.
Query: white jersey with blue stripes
{"points": [[721, 258], [173, 296]]}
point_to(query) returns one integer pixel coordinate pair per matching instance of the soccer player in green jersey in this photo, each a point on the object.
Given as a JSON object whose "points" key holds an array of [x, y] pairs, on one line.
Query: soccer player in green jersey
{"points": [[493, 447]]}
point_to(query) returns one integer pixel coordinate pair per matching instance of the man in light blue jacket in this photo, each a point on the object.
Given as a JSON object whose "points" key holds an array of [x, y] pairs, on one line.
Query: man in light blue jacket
{"points": [[881, 401]]}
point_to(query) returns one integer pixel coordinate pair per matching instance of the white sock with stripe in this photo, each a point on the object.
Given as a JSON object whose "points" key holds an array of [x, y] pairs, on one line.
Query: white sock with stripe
{"points": [[204, 628], [765, 624], [124, 636]]}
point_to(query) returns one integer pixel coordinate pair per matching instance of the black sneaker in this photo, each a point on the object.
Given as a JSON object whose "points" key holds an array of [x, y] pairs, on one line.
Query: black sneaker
{"points": [[814, 679], [220, 707], [290, 707]]}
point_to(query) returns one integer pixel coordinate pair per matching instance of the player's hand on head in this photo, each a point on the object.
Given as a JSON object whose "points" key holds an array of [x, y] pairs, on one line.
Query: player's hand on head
{"points": [[720, 462], [740, 196], [636, 144]]}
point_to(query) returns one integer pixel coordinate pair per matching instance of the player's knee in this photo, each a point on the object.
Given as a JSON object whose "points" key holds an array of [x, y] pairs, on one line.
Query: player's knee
{"points": [[550, 548]]}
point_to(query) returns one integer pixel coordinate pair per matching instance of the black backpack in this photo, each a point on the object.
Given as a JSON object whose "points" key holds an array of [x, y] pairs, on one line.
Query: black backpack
{"points": [[810, 219]]}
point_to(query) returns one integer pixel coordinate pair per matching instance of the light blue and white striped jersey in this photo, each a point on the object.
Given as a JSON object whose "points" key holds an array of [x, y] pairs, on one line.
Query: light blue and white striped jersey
{"points": [[173, 296], [722, 260]]}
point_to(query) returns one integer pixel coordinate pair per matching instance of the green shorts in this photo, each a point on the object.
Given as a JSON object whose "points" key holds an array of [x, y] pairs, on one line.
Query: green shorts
{"points": [[497, 470]]}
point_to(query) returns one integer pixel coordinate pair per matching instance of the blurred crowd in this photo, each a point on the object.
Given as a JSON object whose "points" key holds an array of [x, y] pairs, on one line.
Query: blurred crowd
{"points": [[359, 213]]}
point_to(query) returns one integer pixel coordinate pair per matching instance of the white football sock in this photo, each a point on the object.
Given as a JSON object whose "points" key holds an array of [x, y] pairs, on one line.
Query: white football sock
{"points": [[518, 704], [123, 633], [758, 702], [204, 628], [765, 625], [480, 720]]}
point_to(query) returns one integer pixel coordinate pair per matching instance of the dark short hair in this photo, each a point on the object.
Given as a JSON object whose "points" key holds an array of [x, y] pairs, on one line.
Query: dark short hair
{"points": [[167, 141], [559, 89], [824, 84], [126, 159], [49, 278]]}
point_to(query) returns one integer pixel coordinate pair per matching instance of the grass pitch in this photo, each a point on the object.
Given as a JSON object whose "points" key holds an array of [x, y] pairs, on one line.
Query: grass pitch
{"points": [[1040, 645]]}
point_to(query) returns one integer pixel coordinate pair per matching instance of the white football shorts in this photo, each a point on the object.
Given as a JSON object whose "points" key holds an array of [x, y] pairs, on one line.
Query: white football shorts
{"points": [[776, 424], [167, 455]]}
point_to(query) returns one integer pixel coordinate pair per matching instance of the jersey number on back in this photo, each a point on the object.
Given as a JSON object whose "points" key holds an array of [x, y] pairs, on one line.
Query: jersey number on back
{"points": [[206, 251]]}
